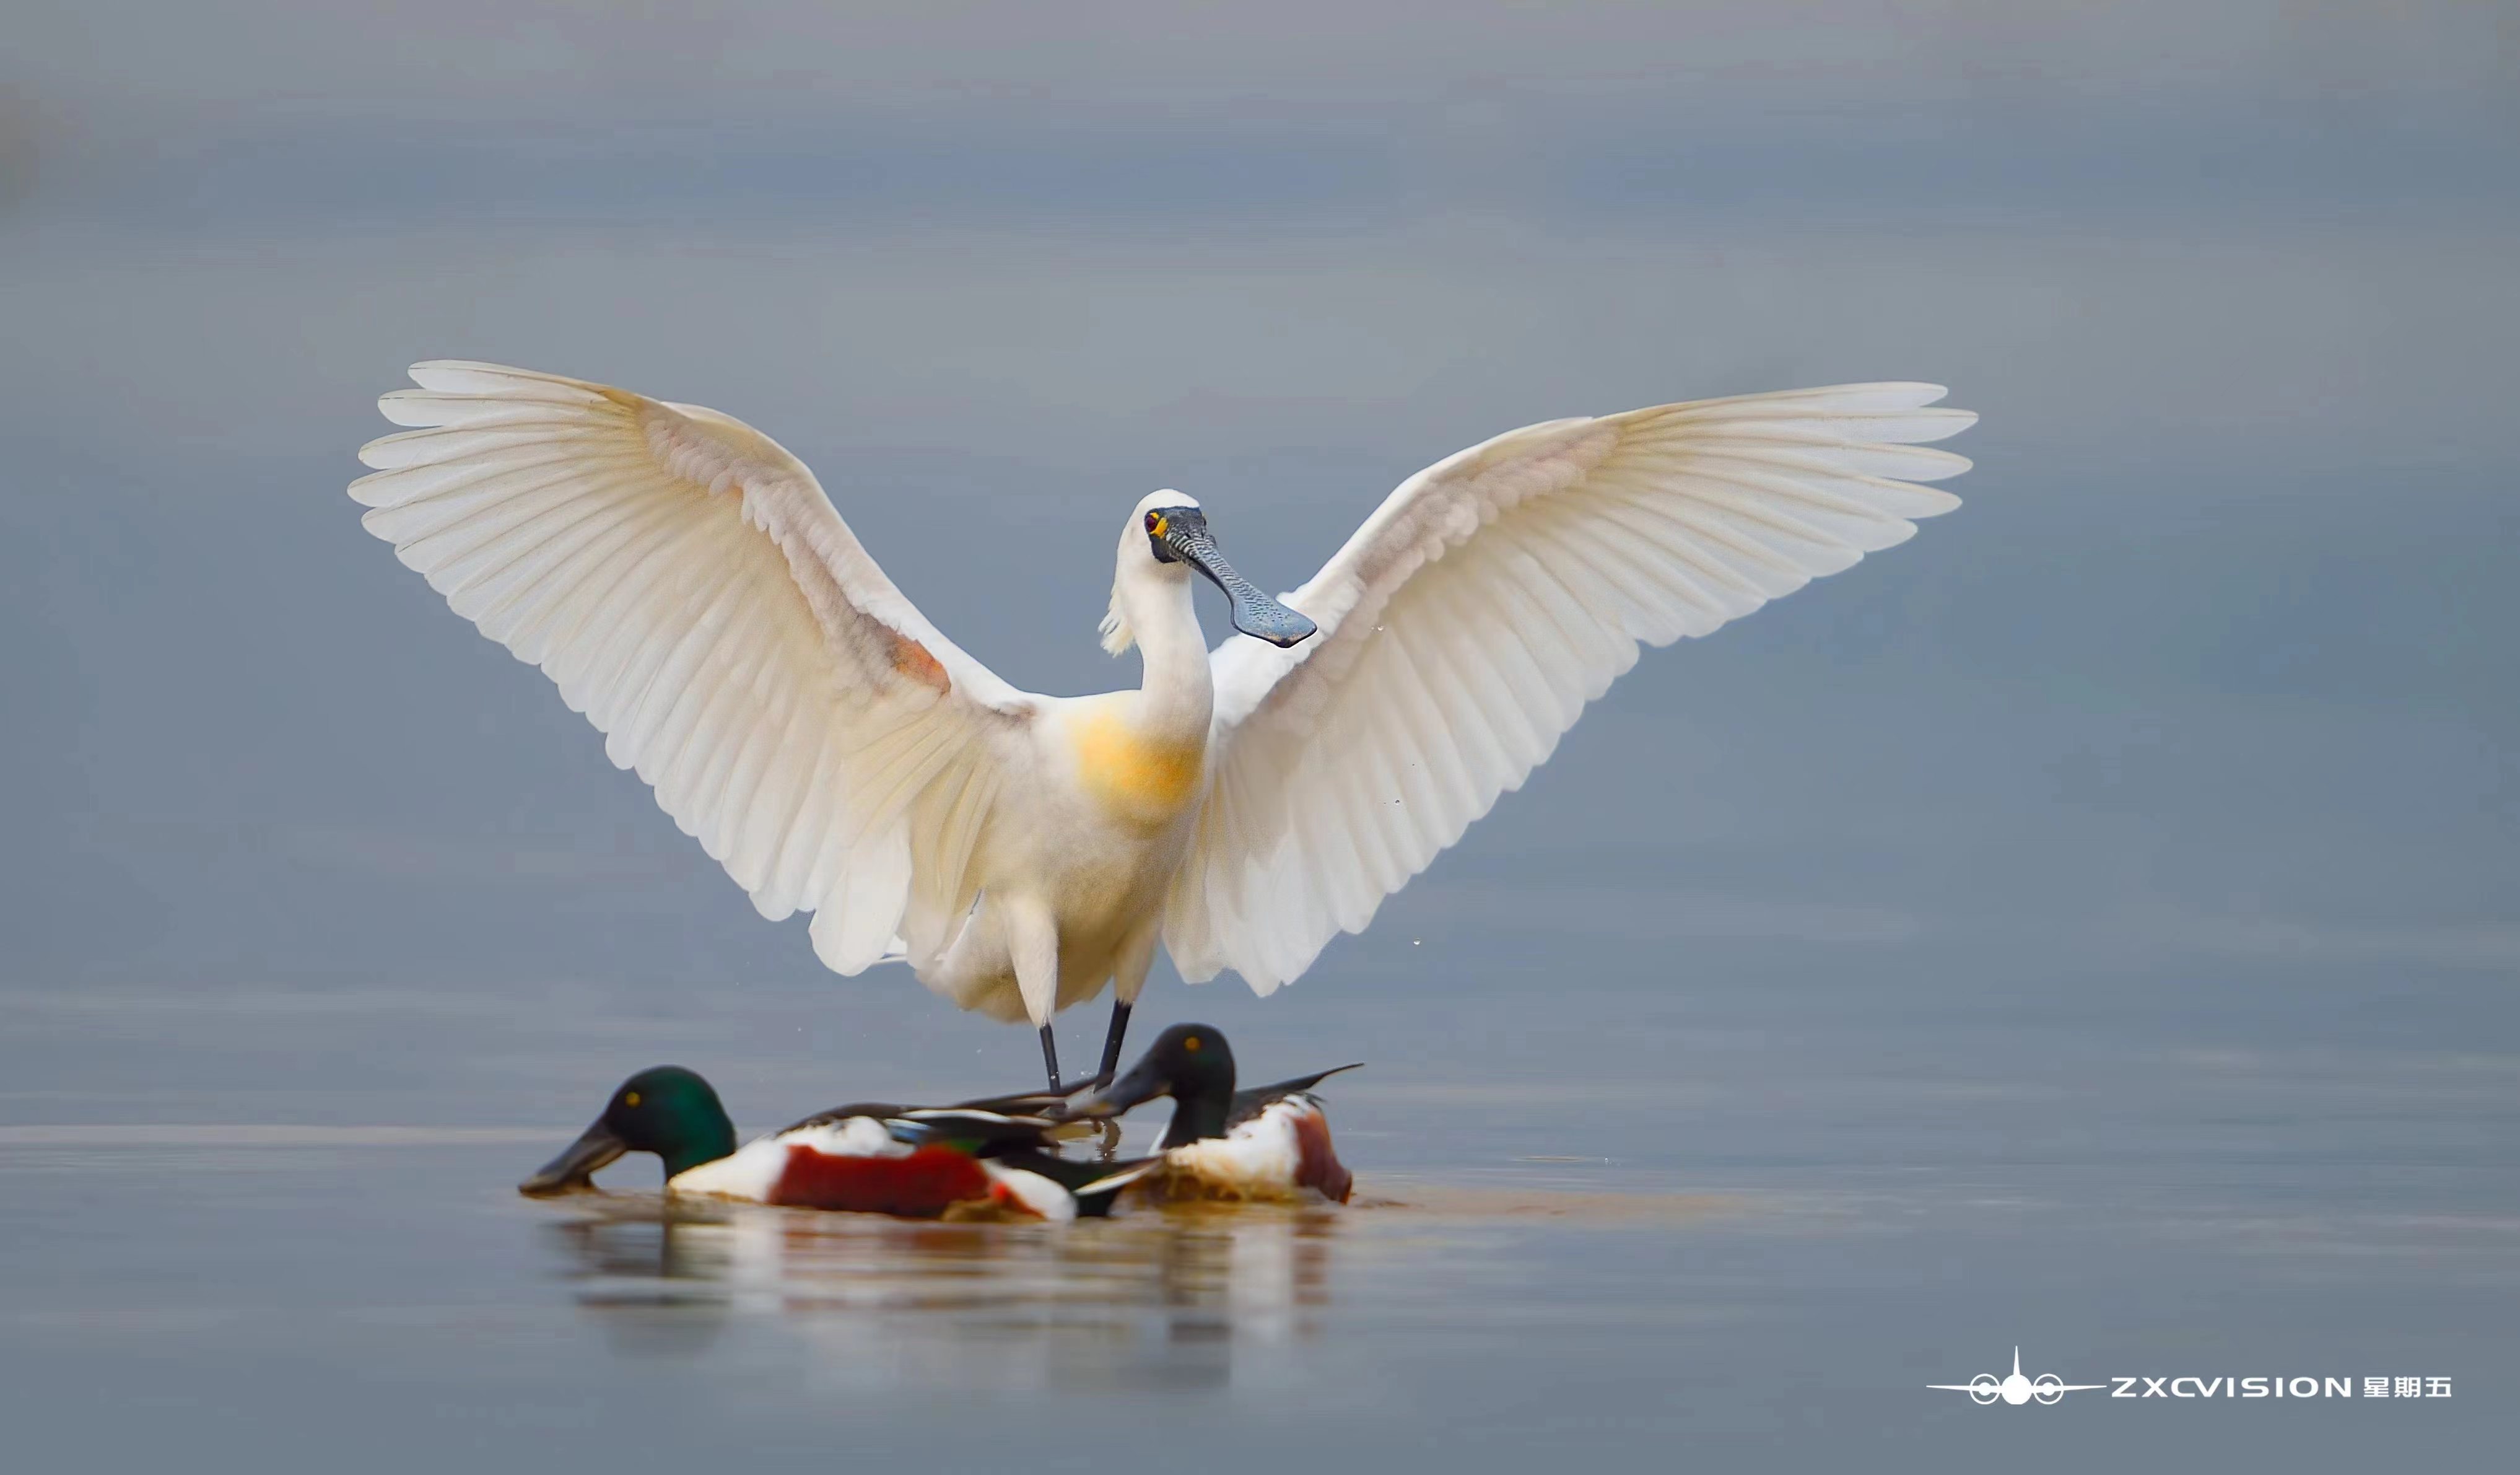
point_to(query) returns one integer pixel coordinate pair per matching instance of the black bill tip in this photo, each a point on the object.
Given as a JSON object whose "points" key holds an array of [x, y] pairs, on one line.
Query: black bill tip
{"points": [[1144, 1082]]}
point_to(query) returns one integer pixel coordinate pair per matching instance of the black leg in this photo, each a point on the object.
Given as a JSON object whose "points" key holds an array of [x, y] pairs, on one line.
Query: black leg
{"points": [[1111, 1041], [1050, 1055]]}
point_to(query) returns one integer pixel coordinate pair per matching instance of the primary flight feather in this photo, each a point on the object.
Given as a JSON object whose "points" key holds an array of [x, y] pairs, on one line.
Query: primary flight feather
{"points": [[690, 589]]}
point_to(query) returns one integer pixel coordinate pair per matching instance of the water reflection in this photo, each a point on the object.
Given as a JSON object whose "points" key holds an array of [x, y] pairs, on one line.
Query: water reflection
{"points": [[1188, 1296]]}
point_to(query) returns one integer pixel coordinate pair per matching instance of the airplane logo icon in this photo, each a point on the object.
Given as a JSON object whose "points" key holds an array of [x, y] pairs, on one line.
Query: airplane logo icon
{"points": [[2017, 1390]]}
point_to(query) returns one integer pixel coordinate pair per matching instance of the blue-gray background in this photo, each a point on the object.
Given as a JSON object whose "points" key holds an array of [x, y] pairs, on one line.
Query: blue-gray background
{"points": [[2159, 803]]}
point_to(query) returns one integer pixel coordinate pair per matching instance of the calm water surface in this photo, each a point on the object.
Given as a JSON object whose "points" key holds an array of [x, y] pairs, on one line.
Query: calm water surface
{"points": [[284, 1238]]}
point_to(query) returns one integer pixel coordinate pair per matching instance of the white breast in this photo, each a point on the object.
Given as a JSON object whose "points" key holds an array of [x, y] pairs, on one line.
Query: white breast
{"points": [[1259, 1159]]}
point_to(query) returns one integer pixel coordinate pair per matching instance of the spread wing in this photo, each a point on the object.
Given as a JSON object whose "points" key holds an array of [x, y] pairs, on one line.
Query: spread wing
{"points": [[1467, 622], [692, 590]]}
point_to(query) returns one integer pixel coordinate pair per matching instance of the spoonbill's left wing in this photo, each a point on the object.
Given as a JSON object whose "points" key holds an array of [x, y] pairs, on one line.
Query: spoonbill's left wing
{"points": [[692, 590], [1467, 622]]}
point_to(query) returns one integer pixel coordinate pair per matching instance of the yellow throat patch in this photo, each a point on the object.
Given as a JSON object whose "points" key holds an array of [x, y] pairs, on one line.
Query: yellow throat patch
{"points": [[1138, 779]]}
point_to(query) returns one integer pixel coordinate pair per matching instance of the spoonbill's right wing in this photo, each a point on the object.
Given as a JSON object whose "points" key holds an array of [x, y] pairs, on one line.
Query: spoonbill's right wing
{"points": [[1467, 622], [692, 590]]}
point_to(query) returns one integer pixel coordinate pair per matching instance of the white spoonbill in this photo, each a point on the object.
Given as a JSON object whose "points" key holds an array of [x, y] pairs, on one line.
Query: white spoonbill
{"points": [[692, 589]]}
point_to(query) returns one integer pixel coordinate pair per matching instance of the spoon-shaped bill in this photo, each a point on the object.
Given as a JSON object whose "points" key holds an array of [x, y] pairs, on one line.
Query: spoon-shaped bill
{"points": [[1141, 1083], [577, 1163], [1254, 612]]}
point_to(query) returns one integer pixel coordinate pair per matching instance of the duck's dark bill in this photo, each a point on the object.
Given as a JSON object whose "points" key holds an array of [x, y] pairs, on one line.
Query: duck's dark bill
{"points": [[1143, 1083], [577, 1165]]}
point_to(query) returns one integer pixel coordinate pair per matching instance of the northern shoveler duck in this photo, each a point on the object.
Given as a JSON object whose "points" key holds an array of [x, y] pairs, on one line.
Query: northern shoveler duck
{"points": [[1268, 1142], [979, 1160]]}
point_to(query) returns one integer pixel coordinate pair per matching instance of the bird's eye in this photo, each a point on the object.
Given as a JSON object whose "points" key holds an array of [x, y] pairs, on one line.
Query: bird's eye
{"points": [[1191, 1043], [629, 1098], [1155, 523]]}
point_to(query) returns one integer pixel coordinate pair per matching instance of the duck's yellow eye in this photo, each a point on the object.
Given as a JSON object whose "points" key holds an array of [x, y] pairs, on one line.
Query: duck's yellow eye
{"points": [[629, 1098], [1191, 1043]]}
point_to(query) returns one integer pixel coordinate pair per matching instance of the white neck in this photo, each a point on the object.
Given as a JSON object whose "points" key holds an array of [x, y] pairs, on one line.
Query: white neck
{"points": [[1177, 696]]}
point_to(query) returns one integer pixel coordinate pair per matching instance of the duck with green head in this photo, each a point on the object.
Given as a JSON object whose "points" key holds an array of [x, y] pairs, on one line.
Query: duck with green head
{"points": [[992, 1158], [1267, 1142]]}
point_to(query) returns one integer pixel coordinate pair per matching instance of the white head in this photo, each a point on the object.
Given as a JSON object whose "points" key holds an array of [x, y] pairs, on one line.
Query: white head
{"points": [[1165, 538]]}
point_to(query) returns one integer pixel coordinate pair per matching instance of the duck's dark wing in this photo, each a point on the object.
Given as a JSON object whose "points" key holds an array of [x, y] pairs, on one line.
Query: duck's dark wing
{"points": [[980, 1132], [1032, 1103], [1250, 1103], [880, 1110], [1094, 1185], [1038, 1108]]}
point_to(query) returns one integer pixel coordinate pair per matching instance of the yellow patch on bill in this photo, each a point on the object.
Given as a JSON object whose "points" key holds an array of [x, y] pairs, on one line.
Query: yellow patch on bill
{"points": [[1137, 778]]}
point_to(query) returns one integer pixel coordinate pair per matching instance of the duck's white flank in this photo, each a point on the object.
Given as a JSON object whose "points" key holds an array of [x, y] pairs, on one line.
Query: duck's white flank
{"points": [[752, 1172], [1281, 1153], [1032, 1193], [763, 1170]]}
